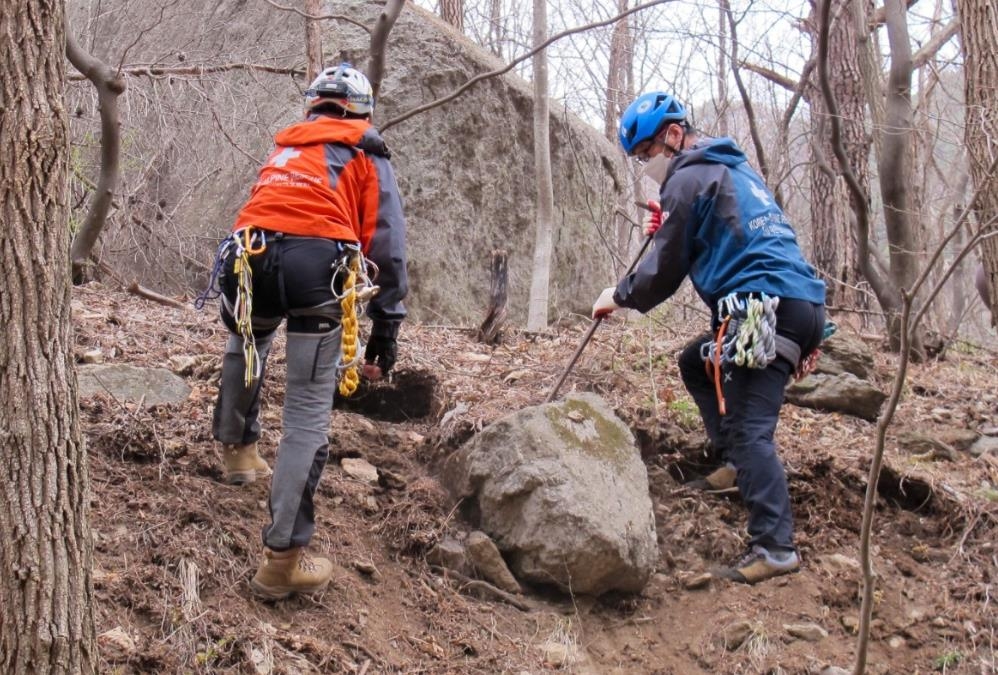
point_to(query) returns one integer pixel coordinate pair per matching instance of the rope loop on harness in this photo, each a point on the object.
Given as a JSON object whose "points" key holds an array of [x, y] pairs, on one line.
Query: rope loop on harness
{"points": [[247, 242], [746, 337], [356, 288]]}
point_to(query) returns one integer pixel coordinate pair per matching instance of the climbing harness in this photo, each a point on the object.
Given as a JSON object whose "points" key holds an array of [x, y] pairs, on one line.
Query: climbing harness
{"points": [[242, 243], [356, 288], [810, 362], [746, 337]]}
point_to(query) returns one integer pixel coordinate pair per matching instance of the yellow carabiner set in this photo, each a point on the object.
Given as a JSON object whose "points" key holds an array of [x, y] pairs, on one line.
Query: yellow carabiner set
{"points": [[248, 242]]}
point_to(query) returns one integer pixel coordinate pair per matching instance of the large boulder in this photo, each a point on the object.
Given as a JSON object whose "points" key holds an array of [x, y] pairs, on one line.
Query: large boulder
{"points": [[562, 490], [465, 168]]}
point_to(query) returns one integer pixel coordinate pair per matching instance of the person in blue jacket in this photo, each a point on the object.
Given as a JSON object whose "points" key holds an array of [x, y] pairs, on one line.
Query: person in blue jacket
{"points": [[718, 224]]}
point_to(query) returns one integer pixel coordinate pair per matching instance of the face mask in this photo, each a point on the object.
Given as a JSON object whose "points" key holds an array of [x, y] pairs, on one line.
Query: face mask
{"points": [[657, 167]]}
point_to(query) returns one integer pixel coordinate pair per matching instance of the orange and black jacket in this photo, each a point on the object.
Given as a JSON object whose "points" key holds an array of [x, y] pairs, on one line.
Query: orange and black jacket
{"points": [[331, 177]]}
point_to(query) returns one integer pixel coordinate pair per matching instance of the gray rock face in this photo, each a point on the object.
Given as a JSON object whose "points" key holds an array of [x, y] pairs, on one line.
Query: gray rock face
{"points": [[843, 393], [465, 168], [843, 353], [152, 386], [562, 490]]}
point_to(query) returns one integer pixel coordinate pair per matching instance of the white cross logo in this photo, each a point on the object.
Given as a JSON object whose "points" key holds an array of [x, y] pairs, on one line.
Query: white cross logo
{"points": [[284, 156], [761, 194]]}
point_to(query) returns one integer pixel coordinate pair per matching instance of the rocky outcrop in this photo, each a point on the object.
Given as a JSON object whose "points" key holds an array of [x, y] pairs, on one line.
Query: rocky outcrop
{"points": [[465, 169]]}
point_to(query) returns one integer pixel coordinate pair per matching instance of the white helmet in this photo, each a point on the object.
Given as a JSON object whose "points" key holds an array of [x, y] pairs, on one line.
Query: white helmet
{"points": [[344, 86]]}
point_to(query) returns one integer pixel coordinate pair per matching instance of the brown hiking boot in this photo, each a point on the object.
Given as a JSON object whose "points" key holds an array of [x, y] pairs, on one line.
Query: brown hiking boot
{"points": [[243, 464], [282, 573], [721, 480], [758, 564]]}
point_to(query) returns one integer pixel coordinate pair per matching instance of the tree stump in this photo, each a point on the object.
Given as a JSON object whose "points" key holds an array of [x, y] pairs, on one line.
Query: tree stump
{"points": [[490, 331]]}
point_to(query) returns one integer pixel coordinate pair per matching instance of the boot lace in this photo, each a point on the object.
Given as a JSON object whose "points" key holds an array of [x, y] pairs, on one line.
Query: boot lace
{"points": [[306, 563]]}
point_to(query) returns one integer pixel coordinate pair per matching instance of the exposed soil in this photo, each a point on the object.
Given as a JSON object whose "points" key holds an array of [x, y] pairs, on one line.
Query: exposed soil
{"points": [[175, 547]]}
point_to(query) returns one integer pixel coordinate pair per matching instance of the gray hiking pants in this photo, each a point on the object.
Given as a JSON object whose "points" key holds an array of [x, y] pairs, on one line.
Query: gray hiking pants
{"points": [[291, 279]]}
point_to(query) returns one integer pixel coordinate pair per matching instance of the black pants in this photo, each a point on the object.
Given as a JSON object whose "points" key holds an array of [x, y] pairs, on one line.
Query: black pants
{"points": [[744, 436]]}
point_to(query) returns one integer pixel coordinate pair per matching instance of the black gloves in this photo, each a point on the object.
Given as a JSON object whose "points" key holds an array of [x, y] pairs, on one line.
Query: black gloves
{"points": [[382, 349]]}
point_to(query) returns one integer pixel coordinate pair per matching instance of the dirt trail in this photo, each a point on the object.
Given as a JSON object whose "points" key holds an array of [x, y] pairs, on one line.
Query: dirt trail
{"points": [[175, 547]]}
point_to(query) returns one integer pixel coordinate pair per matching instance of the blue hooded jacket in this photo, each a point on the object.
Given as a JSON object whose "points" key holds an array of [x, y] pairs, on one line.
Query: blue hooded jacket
{"points": [[721, 227]]}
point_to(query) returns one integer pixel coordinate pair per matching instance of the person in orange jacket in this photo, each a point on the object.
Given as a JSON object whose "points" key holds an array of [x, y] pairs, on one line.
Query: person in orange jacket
{"points": [[325, 209]]}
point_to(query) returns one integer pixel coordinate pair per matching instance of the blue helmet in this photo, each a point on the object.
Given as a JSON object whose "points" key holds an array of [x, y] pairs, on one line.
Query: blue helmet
{"points": [[646, 116]]}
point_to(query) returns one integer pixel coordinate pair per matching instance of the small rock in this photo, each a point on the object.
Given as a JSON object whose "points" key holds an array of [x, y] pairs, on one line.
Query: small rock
{"points": [[896, 642], [834, 670], [92, 356], [449, 553], [489, 563], [182, 364], [558, 654], [263, 661], [734, 634], [839, 563], [811, 632], [697, 581], [359, 468], [367, 568], [985, 445], [391, 480], [850, 623], [117, 640]]}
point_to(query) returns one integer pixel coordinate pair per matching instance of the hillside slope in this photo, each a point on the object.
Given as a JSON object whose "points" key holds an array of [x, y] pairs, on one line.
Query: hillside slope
{"points": [[175, 547]]}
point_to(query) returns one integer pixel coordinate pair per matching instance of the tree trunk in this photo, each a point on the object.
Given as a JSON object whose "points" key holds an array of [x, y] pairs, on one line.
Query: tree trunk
{"points": [[46, 622], [313, 39], [490, 332], [619, 92], [979, 35], [452, 11], [895, 165], [834, 244], [537, 311]]}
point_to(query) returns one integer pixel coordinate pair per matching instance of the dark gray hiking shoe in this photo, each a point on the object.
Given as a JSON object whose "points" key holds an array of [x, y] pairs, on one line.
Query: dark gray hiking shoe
{"points": [[719, 481], [758, 564]]}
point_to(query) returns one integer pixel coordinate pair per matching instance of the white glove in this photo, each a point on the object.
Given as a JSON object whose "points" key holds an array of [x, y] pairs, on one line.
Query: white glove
{"points": [[604, 304]]}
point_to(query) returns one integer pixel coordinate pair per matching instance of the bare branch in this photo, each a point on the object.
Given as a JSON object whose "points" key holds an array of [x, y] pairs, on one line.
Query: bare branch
{"points": [[935, 43], [196, 70], [379, 38], [318, 17], [512, 64], [771, 75], [109, 86]]}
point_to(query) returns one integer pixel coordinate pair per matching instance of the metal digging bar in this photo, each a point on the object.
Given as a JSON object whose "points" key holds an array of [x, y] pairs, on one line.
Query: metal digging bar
{"points": [[597, 321]]}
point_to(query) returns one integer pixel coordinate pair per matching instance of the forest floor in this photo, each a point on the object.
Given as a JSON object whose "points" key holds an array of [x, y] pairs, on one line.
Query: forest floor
{"points": [[175, 547]]}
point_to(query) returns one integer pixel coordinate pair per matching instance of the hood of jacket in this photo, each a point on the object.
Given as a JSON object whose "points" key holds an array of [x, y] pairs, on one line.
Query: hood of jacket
{"points": [[711, 151], [322, 129]]}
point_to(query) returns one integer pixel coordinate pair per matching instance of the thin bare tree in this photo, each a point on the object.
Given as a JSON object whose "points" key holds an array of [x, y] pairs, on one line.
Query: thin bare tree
{"points": [[540, 276], [313, 40]]}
